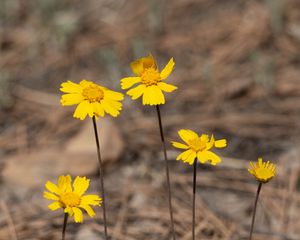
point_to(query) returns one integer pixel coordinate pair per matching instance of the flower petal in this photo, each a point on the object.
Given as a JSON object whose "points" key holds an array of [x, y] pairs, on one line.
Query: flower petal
{"points": [[183, 156], [70, 87], [179, 145], [167, 69], [98, 109], [129, 82], [69, 211], [82, 110], [108, 108], [80, 185], [187, 135], [54, 206], [71, 99], [50, 196], [208, 156], [64, 183], [220, 143], [166, 87], [51, 187], [93, 200], [137, 67], [153, 96], [191, 158], [113, 95], [78, 217], [148, 61], [88, 209], [137, 91]]}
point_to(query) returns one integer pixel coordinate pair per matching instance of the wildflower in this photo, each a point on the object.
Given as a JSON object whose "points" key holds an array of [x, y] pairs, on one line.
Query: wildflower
{"points": [[150, 80], [92, 99], [71, 199], [262, 171], [198, 147]]}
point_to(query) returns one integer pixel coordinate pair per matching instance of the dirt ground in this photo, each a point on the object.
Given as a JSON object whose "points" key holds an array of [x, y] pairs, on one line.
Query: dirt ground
{"points": [[237, 72]]}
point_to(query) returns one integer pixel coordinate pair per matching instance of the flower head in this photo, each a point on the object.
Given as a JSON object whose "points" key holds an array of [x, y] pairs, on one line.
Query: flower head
{"points": [[196, 146], [92, 99], [71, 199], [262, 171], [150, 80]]}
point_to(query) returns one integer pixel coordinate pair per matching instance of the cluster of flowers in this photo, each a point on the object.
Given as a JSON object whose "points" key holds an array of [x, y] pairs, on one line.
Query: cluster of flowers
{"points": [[95, 101]]}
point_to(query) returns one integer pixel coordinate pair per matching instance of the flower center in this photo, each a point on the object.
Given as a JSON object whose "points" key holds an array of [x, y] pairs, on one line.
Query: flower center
{"points": [[264, 173], [150, 76], [197, 144], [70, 199], [93, 93]]}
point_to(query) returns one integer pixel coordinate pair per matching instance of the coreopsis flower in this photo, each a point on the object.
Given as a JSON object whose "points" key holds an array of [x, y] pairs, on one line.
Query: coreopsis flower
{"points": [[262, 171], [150, 81], [71, 198], [92, 99], [198, 147]]}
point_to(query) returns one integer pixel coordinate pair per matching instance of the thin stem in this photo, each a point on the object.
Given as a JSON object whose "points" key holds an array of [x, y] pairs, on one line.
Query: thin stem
{"points": [[101, 176], [254, 209], [167, 170], [65, 226], [194, 196]]}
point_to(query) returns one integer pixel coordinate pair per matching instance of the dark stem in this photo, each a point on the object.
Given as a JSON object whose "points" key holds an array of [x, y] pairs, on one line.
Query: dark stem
{"points": [[194, 196], [101, 176], [167, 170], [254, 209], [65, 226]]}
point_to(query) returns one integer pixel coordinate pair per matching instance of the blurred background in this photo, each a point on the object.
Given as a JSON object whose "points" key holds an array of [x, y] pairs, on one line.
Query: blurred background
{"points": [[237, 72]]}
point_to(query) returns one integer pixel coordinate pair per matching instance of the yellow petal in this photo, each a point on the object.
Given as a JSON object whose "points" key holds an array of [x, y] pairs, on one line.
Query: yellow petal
{"points": [[50, 196], [187, 135], [129, 82], [179, 145], [167, 69], [51, 187], [80, 185], [88, 209], [84, 83], [183, 156], [82, 110], [78, 217], [70, 87], [54, 206], [166, 87], [137, 67], [208, 156], [64, 183], [220, 143], [109, 109], [210, 143], [113, 95], [98, 109], [71, 99], [153, 96], [114, 104], [137, 91], [148, 61], [69, 211], [191, 158], [93, 200]]}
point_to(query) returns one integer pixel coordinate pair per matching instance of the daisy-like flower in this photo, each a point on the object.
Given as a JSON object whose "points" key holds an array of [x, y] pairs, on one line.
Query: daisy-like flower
{"points": [[262, 171], [199, 147], [92, 99], [71, 199], [150, 80]]}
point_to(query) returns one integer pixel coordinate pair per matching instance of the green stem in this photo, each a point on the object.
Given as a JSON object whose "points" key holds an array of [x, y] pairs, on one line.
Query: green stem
{"points": [[65, 225], [101, 176], [254, 209], [167, 171]]}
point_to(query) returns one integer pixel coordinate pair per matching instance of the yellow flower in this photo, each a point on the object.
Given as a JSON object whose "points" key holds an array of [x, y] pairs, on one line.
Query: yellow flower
{"points": [[198, 147], [150, 80], [71, 199], [262, 171], [92, 99]]}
